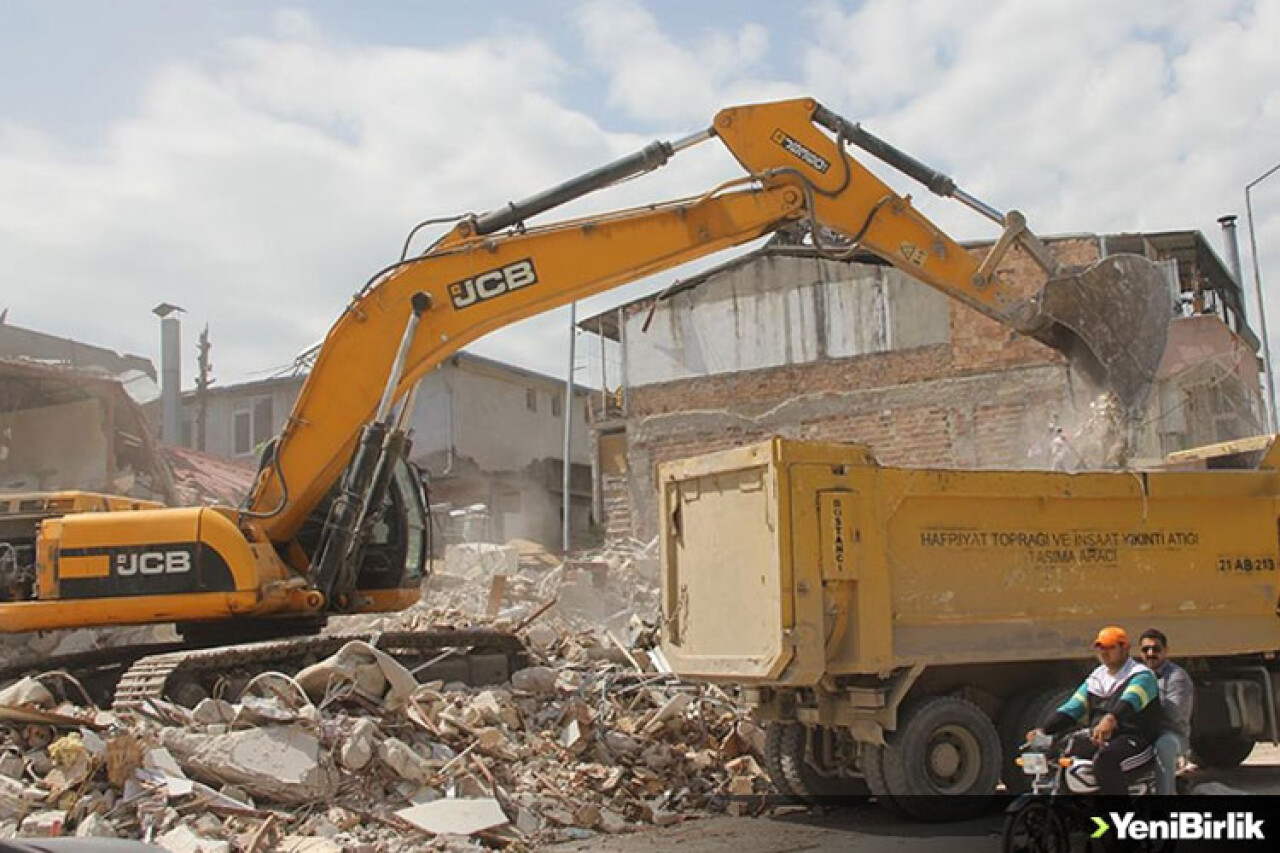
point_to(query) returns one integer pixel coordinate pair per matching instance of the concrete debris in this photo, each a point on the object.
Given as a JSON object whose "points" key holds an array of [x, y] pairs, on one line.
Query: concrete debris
{"points": [[17, 799], [535, 679], [595, 737], [371, 674], [479, 561], [95, 826], [405, 763], [43, 824], [360, 746], [280, 763], [455, 817], [184, 839], [27, 693]]}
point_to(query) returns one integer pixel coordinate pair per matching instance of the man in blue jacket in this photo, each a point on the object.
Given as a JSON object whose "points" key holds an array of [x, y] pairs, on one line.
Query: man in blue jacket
{"points": [[1120, 704]]}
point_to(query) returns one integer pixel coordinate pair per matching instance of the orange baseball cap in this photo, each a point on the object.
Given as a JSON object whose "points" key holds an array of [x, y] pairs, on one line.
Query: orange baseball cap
{"points": [[1111, 635]]}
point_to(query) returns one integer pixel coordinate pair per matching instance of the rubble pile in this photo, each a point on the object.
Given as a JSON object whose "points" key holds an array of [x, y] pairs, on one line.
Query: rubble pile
{"points": [[353, 754], [607, 589]]}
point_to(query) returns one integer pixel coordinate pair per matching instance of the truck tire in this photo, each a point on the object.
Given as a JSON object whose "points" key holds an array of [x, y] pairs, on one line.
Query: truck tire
{"points": [[774, 734], [1221, 752], [872, 764], [786, 763], [943, 762], [1022, 713]]}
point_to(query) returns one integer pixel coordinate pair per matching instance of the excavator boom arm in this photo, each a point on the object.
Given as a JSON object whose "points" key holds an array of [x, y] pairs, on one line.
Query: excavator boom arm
{"points": [[491, 271]]}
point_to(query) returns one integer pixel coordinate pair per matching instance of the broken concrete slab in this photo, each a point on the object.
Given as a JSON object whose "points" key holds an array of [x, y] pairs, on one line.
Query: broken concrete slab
{"points": [[456, 816], [283, 764], [184, 839], [674, 707]]}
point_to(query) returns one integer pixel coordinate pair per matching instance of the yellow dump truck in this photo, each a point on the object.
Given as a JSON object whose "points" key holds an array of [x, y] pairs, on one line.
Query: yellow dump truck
{"points": [[899, 629]]}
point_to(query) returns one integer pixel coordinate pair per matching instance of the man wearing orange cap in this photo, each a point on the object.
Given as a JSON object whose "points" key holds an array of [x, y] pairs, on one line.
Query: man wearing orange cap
{"points": [[1120, 703]]}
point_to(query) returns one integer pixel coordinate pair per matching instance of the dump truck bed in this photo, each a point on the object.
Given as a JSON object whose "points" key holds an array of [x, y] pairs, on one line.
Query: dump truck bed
{"points": [[785, 561]]}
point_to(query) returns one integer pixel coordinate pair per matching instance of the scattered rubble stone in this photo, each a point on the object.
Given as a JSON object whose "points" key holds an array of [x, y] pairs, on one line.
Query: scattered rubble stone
{"points": [[595, 737], [284, 764]]}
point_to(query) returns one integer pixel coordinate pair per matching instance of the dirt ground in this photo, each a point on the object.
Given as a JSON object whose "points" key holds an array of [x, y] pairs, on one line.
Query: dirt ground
{"points": [[868, 828]]}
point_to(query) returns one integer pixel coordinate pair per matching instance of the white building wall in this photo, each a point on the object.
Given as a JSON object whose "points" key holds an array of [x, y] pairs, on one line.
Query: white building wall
{"points": [[781, 310], [493, 423]]}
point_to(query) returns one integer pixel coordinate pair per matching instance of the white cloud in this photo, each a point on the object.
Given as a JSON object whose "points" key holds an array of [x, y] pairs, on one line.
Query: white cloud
{"points": [[651, 77], [260, 190], [258, 185]]}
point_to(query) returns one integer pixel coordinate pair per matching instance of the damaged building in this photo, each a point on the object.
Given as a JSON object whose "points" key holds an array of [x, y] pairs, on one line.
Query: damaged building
{"points": [[73, 416], [488, 436], [68, 428], [781, 341]]}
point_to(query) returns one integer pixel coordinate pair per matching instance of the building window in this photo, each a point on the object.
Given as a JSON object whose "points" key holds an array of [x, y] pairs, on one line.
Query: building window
{"points": [[555, 405], [252, 424], [531, 399]]}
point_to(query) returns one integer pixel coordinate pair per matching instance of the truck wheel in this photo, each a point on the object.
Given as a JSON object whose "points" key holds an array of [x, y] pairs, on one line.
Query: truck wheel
{"points": [[872, 764], [787, 762], [774, 734], [1023, 713], [1221, 752], [943, 762]]}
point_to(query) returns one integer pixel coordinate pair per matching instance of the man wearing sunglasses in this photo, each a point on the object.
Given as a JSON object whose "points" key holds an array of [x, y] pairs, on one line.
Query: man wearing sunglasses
{"points": [[1177, 697], [1120, 702]]}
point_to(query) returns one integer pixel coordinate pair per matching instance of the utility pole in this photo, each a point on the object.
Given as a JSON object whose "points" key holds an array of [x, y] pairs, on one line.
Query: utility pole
{"points": [[203, 381], [567, 408], [1257, 289]]}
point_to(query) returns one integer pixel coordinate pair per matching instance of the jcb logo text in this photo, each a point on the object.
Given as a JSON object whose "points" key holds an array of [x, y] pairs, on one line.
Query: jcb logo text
{"points": [[152, 563], [487, 285]]}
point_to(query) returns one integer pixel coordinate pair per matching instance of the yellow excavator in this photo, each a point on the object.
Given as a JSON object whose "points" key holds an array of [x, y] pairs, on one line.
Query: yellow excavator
{"points": [[335, 519]]}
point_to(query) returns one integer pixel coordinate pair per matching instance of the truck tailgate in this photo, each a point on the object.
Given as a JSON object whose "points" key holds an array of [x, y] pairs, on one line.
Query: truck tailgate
{"points": [[725, 581]]}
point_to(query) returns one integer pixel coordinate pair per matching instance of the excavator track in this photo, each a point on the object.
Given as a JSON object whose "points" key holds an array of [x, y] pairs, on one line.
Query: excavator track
{"points": [[473, 656], [128, 676]]}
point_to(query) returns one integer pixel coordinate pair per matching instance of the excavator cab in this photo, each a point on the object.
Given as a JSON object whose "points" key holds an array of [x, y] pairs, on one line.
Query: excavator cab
{"points": [[396, 554]]}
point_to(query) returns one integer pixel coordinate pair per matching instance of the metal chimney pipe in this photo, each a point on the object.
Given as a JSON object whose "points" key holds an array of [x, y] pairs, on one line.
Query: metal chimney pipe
{"points": [[1232, 245], [170, 372]]}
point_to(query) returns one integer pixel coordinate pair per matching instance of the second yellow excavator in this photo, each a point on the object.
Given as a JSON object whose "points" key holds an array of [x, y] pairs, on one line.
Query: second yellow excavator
{"points": [[334, 522]]}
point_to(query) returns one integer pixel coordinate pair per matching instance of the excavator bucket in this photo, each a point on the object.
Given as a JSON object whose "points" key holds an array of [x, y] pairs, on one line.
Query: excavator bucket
{"points": [[1112, 321]]}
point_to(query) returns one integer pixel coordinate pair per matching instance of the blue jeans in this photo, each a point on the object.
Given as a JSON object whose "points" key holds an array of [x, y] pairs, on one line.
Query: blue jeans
{"points": [[1168, 747]]}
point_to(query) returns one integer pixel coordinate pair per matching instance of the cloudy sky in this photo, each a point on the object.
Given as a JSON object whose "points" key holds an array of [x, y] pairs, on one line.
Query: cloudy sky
{"points": [[255, 162]]}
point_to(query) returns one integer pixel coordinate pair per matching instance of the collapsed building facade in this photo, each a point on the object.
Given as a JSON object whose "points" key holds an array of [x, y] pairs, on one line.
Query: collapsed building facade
{"points": [[63, 427], [781, 341]]}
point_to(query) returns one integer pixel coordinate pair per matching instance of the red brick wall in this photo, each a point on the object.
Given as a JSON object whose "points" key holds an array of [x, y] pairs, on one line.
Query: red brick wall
{"points": [[981, 401]]}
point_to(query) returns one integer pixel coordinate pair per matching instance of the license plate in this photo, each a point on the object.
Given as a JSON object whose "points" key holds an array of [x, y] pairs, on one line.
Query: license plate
{"points": [[1034, 763]]}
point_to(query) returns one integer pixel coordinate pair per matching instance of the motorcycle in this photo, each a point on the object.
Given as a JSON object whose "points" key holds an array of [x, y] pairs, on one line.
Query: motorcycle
{"points": [[1064, 797]]}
